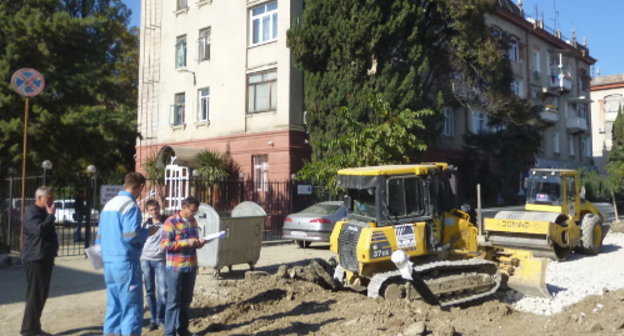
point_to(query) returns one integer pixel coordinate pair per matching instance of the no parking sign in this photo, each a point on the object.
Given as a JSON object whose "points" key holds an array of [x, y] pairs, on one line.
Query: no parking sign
{"points": [[27, 82]]}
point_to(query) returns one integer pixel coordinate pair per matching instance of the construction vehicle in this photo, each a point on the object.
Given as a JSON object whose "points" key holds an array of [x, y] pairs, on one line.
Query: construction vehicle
{"points": [[409, 209], [556, 220]]}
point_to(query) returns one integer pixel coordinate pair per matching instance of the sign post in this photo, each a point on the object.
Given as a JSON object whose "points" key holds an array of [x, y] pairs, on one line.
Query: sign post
{"points": [[27, 83]]}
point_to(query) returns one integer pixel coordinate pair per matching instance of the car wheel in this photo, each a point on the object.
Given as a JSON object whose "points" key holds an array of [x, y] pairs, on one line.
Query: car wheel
{"points": [[303, 243]]}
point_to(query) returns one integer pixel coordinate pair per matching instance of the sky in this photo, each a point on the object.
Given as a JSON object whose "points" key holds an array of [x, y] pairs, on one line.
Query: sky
{"points": [[600, 21]]}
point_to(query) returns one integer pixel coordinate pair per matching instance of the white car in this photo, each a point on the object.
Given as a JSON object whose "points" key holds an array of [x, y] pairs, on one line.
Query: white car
{"points": [[65, 211]]}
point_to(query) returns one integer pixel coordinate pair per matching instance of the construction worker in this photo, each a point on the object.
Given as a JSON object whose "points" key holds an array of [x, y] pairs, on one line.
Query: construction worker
{"points": [[121, 238]]}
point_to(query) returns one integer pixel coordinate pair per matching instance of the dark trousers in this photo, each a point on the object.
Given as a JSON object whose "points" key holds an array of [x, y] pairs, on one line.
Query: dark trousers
{"points": [[38, 276], [179, 296]]}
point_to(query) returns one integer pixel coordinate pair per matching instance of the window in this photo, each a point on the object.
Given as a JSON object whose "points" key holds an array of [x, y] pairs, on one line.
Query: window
{"points": [[479, 122], [180, 48], [537, 68], [571, 149], [204, 105], [516, 87], [585, 147], [404, 197], [263, 20], [261, 172], [203, 45], [556, 148], [583, 110], [449, 122], [181, 4], [514, 50], [613, 103], [262, 92], [177, 112]]}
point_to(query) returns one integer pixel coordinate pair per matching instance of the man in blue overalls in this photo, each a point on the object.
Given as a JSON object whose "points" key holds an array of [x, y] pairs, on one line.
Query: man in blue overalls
{"points": [[122, 238]]}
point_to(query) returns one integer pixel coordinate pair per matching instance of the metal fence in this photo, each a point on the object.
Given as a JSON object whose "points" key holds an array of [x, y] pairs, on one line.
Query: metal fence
{"points": [[277, 198], [76, 229]]}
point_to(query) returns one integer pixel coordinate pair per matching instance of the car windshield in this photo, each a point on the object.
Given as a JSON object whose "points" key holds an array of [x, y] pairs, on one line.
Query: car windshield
{"points": [[69, 204], [58, 205], [321, 209]]}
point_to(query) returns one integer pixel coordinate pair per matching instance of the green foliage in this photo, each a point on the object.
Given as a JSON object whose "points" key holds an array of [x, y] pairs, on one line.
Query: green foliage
{"points": [[384, 140], [154, 171], [214, 166], [597, 187], [416, 55], [87, 112], [615, 165]]}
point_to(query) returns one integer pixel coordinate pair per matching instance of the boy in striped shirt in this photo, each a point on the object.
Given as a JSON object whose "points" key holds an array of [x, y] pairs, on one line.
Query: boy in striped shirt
{"points": [[180, 239]]}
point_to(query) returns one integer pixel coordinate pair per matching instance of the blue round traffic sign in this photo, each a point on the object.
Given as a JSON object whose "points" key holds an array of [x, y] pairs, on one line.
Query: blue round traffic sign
{"points": [[27, 82]]}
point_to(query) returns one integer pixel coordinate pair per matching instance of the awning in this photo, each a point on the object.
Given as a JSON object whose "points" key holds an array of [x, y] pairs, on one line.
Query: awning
{"points": [[179, 155]]}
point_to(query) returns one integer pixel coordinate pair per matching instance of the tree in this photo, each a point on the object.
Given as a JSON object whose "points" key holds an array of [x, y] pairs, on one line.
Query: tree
{"points": [[615, 165], [87, 112], [386, 140], [418, 55]]}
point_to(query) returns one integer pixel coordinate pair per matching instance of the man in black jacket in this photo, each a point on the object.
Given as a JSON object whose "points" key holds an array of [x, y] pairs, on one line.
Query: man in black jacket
{"points": [[40, 249]]}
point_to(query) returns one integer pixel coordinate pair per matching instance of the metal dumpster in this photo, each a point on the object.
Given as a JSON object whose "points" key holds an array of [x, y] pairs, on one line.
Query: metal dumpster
{"points": [[243, 239]]}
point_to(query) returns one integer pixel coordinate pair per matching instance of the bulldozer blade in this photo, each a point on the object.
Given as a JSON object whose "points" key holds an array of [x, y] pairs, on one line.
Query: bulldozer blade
{"points": [[529, 277]]}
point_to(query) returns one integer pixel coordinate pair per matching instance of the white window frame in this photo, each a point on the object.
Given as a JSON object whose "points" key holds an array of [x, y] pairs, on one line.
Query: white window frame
{"points": [[517, 87], [203, 45], [180, 52], [514, 50], [449, 122], [479, 122], [613, 103], [261, 172], [571, 149], [203, 104], [177, 112], [556, 145], [537, 66], [258, 16], [267, 81]]}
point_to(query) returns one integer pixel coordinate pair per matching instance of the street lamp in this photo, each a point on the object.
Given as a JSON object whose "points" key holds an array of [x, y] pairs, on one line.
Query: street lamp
{"points": [[47, 164], [195, 175], [91, 171]]}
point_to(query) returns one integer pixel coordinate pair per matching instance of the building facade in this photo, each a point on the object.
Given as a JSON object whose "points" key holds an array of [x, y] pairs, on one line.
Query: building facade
{"points": [[217, 75], [607, 94], [553, 73]]}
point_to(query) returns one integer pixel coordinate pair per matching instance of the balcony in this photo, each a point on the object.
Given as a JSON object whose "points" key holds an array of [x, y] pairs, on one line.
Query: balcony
{"points": [[576, 125], [549, 114], [561, 82]]}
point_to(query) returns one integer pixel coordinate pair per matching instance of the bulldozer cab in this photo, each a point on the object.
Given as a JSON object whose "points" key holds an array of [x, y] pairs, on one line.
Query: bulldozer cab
{"points": [[391, 195], [554, 190]]}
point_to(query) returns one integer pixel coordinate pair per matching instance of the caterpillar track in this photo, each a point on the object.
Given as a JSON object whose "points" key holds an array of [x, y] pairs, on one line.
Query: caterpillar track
{"points": [[451, 282]]}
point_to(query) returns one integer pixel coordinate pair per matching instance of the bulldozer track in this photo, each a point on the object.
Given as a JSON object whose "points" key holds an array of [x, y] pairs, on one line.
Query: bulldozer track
{"points": [[467, 280]]}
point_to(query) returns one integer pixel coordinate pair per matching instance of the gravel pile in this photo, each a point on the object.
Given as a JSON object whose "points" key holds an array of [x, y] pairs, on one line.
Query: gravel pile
{"points": [[572, 280]]}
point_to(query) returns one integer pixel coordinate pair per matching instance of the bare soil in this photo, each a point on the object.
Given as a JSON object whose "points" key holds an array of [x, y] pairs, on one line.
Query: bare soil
{"points": [[269, 302]]}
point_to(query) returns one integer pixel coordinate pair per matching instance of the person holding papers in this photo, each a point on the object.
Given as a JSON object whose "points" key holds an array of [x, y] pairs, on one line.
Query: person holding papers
{"points": [[180, 239]]}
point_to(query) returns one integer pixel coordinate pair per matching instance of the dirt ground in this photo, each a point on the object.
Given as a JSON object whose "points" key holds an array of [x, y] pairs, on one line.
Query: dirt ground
{"points": [[269, 302]]}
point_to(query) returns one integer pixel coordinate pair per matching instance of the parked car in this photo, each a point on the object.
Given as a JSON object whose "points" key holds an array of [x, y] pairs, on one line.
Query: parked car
{"points": [[314, 223], [65, 211]]}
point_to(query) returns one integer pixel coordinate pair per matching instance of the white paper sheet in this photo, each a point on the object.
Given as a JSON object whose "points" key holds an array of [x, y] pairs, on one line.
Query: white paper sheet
{"points": [[213, 236]]}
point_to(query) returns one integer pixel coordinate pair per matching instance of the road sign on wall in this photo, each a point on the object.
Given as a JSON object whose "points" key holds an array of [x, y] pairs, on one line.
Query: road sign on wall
{"points": [[27, 82]]}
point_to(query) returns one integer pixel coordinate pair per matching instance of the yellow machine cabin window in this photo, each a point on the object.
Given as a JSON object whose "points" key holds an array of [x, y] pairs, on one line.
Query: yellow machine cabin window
{"points": [[405, 197], [544, 189]]}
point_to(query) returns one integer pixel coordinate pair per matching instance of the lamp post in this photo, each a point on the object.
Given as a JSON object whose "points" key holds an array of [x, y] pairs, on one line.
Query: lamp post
{"points": [[195, 175], [47, 164], [241, 178], [91, 171]]}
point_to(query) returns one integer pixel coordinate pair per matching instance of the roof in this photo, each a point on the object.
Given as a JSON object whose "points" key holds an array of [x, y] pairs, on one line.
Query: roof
{"points": [[416, 169], [604, 80]]}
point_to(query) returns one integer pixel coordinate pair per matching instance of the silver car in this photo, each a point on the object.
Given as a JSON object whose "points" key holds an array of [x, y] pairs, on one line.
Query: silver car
{"points": [[314, 223]]}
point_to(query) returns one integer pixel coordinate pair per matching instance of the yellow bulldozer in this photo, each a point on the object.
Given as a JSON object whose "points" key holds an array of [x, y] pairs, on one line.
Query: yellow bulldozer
{"points": [[404, 237]]}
